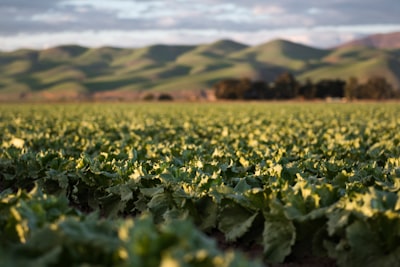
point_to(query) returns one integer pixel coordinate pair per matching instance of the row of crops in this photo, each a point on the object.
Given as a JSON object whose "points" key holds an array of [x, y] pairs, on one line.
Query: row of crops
{"points": [[199, 184]]}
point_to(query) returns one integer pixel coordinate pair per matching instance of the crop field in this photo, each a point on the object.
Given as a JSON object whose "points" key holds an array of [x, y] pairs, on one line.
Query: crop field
{"points": [[190, 184]]}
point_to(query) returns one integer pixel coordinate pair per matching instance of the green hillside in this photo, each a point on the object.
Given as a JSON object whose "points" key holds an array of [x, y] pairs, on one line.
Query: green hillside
{"points": [[211, 52], [72, 71], [210, 57], [62, 53], [285, 54], [361, 62]]}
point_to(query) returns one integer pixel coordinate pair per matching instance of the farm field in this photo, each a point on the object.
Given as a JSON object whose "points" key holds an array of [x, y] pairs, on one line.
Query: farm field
{"points": [[190, 184]]}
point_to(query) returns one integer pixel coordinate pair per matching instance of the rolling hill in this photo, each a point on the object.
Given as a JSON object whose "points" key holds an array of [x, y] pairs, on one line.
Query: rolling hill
{"points": [[74, 72], [283, 54]]}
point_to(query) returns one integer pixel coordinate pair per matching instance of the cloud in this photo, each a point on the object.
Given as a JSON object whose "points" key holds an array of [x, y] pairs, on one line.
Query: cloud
{"points": [[323, 37], [53, 18], [190, 19], [268, 10], [251, 15]]}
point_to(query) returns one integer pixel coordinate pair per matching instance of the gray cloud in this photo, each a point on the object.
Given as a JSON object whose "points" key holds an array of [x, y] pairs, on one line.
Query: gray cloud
{"points": [[237, 17], [24, 16]]}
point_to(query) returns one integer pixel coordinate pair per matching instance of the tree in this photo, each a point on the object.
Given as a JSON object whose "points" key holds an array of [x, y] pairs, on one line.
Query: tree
{"points": [[232, 88], [224, 89], [351, 88], [330, 88], [149, 97], [165, 97], [308, 90], [286, 86], [258, 90], [377, 87]]}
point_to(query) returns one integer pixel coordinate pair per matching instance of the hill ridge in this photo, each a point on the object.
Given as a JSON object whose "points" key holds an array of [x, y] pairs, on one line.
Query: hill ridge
{"points": [[380, 40]]}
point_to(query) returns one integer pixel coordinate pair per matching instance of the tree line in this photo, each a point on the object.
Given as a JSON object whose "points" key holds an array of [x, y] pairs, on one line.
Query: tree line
{"points": [[285, 86]]}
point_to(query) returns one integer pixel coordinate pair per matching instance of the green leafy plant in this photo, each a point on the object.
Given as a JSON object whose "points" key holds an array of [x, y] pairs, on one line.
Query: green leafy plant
{"points": [[180, 184]]}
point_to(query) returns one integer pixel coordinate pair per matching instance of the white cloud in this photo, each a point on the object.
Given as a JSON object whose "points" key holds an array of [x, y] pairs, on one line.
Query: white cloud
{"points": [[53, 18], [167, 22], [314, 11], [268, 10]]}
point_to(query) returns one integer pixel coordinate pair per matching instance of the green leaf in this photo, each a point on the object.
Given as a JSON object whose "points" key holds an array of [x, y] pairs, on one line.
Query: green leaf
{"points": [[207, 212], [159, 205], [141, 241], [235, 221], [150, 192], [278, 238], [219, 192], [364, 248], [337, 220], [242, 186]]}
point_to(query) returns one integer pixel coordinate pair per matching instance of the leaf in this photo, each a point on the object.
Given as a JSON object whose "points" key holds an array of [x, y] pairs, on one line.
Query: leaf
{"points": [[235, 221], [111, 205], [16, 228], [150, 192], [278, 238], [242, 186], [46, 243], [245, 163], [256, 199], [207, 213], [142, 241], [337, 220], [219, 192], [159, 205], [126, 193], [17, 142], [364, 248], [58, 176]]}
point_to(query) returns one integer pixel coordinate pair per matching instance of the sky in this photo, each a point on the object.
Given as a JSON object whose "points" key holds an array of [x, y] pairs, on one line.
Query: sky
{"points": [[42, 24]]}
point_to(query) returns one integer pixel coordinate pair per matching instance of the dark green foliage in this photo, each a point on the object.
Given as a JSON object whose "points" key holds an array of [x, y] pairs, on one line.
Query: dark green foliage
{"points": [[375, 88], [285, 86], [233, 89], [149, 97], [165, 97], [330, 88]]}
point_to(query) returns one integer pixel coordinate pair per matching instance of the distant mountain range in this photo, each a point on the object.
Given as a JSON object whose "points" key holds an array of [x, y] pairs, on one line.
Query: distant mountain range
{"points": [[73, 72], [383, 41]]}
